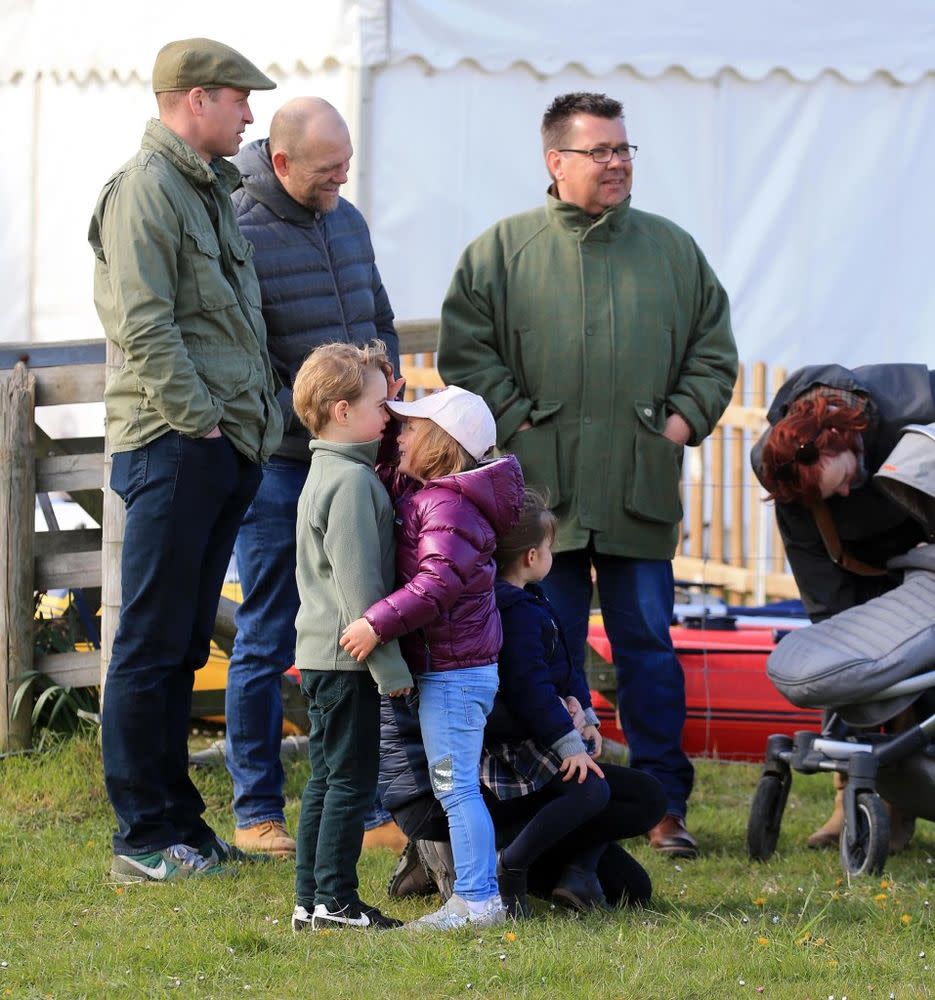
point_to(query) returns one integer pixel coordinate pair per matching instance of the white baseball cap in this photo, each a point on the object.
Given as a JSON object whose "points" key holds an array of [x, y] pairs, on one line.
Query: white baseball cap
{"points": [[464, 415]]}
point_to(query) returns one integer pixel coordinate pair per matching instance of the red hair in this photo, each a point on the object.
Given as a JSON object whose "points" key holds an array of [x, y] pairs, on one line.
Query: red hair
{"points": [[821, 423]]}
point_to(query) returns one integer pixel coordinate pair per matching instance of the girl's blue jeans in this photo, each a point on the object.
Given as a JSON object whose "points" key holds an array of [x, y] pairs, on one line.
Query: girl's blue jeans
{"points": [[453, 709]]}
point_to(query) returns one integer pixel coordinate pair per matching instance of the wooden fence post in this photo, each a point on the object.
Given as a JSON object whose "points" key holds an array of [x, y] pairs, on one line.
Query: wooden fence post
{"points": [[17, 523], [112, 527]]}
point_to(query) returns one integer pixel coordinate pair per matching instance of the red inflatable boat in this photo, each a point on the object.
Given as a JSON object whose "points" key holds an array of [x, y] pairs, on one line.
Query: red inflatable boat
{"points": [[732, 705]]}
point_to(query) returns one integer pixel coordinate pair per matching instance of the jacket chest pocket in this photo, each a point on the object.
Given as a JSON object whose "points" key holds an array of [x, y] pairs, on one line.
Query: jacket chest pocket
{"points": [[203, 286], [241, 250]]}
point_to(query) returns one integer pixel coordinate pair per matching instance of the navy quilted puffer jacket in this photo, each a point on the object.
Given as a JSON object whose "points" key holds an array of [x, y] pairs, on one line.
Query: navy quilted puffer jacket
{"points": [[317, 274]]}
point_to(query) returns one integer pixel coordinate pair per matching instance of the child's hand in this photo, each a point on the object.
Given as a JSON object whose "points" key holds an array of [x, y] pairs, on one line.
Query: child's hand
{"points": [[575, 711], [359, 639], [394, 387], [593, 733], [579, 764], [401, 693]]}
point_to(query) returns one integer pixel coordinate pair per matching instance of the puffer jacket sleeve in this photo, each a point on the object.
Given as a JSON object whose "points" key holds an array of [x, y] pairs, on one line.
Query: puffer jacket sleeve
{"points": [[140, 240], [525, 681], [451, 541]]}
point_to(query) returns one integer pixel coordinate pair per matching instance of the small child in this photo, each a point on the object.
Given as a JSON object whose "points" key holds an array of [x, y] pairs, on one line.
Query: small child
{"points": [[553, 764], [449, 509], [345, 562]]}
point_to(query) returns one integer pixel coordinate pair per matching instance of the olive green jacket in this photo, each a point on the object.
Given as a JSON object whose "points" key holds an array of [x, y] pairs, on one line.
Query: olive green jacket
{"points": [[181, 300], [594, 330], [345, 560]]}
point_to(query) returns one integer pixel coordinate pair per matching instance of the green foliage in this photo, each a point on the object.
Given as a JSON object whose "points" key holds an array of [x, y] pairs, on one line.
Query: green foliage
{"points": [[720, 927], [56, 708]]}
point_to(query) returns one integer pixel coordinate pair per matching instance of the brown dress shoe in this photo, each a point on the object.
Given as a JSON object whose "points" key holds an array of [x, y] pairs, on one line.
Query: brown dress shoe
{"points": [[386, 835], [269, 837], [669, 836]]}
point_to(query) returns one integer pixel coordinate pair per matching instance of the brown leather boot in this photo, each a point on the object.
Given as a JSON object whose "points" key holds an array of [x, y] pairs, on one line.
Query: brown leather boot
{"points": [[386, 835], [669, 836], [269, 837], [829, 834]]}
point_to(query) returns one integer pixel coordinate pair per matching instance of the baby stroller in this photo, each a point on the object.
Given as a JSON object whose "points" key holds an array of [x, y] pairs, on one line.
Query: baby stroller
{"points": [[865, 666]]}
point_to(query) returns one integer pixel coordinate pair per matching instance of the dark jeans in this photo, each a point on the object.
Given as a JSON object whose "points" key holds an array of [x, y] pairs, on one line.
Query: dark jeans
{"points": [[637, 597], [343, 750], [185, 499], [265, 643]]}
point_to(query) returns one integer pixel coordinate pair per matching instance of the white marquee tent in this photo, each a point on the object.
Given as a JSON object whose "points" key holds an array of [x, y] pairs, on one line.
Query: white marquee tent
{"points": [[795, 141]]}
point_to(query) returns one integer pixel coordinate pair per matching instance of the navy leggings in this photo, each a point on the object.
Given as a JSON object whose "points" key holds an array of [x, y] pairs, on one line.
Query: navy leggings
{"points": [[573, 822]]}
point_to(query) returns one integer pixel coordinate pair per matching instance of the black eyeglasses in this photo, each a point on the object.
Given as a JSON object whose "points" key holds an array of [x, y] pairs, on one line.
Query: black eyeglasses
{"points": [[807, 453], [604, 154]]}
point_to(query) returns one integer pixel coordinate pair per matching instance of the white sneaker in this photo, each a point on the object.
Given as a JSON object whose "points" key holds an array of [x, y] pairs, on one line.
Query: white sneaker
{"points": [[456, 913]]}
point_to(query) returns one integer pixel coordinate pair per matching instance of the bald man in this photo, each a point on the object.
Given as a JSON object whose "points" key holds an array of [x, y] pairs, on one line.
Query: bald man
{"points": [[319, 284]]}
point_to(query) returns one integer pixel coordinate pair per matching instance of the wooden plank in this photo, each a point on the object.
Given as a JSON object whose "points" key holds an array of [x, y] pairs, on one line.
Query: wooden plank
{"points": [[53, 353], [703, 571], [68, 570], [17, 529], [91, 501], [737, 466], [420, 378], [696, 477], [113, 522], [718, 487], [69, 384], [53, 543], [418, 335], [66, 473], [75, 669], [756, 537]]}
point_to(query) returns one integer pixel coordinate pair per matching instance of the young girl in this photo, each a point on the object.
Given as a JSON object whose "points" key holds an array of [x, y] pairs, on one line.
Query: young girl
{"points": [[449, 509], [581, 808]]}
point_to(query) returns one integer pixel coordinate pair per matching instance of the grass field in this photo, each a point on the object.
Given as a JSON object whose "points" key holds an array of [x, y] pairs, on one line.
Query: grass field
{"points": [[720, 926]]}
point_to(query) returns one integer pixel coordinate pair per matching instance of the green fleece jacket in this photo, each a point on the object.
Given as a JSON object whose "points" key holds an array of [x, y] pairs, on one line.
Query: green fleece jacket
{"points": [[593, 330], [178, 294], [345, 560]]}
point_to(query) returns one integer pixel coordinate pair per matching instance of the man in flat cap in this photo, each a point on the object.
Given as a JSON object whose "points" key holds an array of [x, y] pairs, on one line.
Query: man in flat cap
{"points": [[191, 414]]}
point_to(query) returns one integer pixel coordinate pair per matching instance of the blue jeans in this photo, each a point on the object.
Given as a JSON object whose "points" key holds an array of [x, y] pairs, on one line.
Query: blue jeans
{"points": [[265, 644], [637, 597], [185, 499], [453, 710]]}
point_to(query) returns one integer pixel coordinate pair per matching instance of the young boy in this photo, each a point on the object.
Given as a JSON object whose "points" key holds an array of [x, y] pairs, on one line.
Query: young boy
{"points": [[344, 563]]}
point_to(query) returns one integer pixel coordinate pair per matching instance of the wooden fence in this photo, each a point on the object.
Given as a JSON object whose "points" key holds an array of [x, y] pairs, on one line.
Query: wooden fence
{"points": [[729, 541]]}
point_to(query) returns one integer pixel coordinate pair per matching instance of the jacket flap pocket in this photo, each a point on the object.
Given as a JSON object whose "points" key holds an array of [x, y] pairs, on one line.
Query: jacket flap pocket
{"points": [[205, 242], [544, 409]]}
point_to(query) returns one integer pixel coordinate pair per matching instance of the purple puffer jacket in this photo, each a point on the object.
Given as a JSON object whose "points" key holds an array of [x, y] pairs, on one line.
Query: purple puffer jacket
{"points": [[444, 612]]}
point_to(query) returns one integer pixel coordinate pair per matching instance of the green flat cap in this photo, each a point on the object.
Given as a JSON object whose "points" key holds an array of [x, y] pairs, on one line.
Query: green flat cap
{"points": [[202, 62]]}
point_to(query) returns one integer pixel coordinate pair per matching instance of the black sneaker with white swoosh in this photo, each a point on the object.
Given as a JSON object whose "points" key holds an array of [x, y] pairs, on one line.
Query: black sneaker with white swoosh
{"points": [[360, 917]]}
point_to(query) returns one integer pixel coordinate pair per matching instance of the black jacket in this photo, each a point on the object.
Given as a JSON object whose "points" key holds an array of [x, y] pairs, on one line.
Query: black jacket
{"points": [[871, 526], [317, 274]]}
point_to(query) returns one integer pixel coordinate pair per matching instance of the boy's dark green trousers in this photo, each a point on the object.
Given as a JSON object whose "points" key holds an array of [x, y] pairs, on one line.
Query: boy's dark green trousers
{"points": [[344, 753]]}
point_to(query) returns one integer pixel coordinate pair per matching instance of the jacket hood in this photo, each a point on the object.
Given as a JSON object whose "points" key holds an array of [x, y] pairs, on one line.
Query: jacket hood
{"points": [[495, 488], [161, 139], [260, 182]]}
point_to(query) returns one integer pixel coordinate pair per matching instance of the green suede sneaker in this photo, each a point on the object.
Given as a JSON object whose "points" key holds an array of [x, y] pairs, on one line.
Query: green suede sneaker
{"points": [[218, 852], [171, 864]]}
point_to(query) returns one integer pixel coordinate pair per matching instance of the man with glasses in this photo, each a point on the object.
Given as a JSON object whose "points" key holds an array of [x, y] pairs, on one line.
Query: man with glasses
{"points": [[601, 339]]}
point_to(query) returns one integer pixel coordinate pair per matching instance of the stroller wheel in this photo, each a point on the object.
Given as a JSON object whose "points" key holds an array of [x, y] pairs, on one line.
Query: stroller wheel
{"points": [[865, 852], [769, 802]]}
